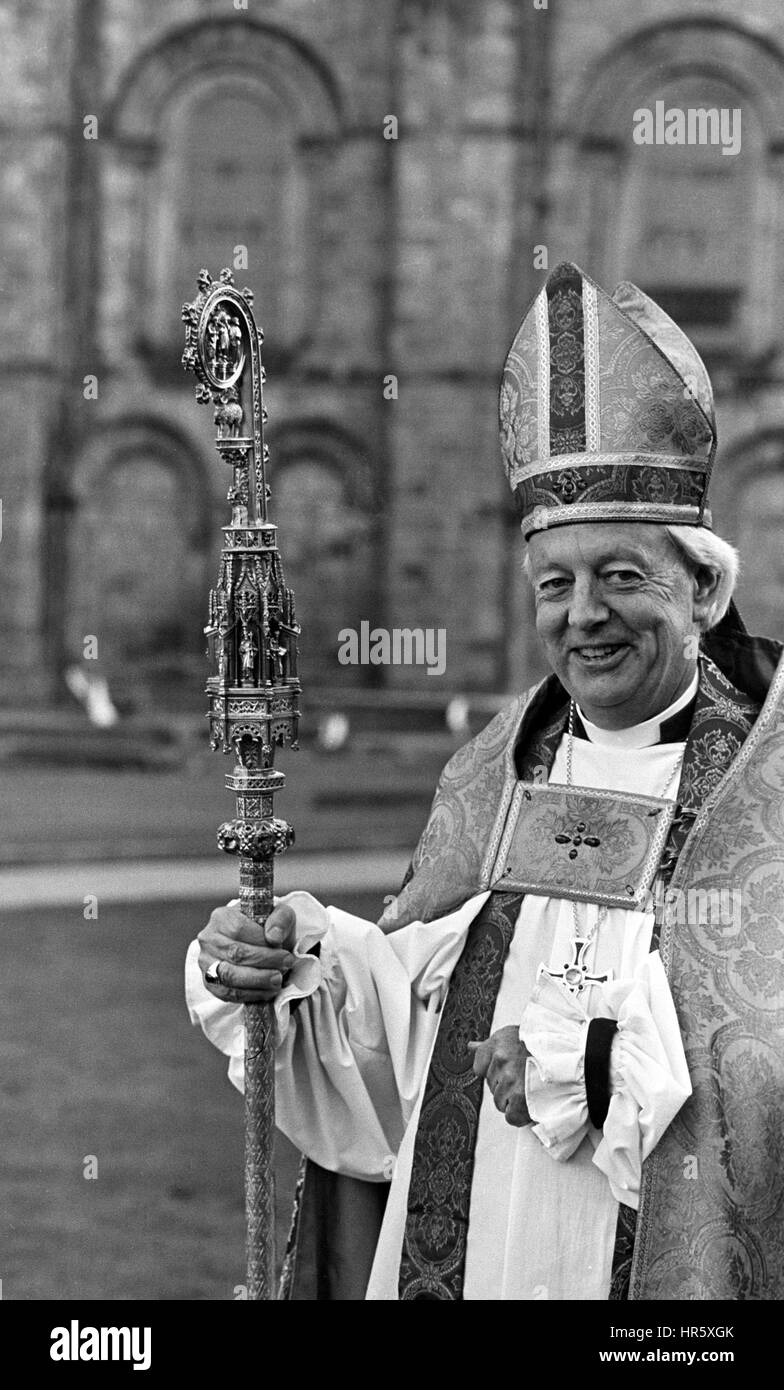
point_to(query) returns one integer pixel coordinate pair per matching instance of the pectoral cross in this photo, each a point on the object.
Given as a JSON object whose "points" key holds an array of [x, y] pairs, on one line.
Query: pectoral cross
{"points": [[575, 973]]}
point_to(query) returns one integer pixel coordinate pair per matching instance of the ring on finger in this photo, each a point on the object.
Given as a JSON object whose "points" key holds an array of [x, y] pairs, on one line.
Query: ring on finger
{"points": [[212, 973]]}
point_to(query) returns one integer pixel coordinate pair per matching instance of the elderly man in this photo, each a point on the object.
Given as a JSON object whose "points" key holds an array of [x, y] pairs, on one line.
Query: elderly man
{"points": [[562, 1043]]}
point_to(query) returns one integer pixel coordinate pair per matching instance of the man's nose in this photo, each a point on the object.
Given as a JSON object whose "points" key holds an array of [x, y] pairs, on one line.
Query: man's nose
{"points": [[586, 607]]}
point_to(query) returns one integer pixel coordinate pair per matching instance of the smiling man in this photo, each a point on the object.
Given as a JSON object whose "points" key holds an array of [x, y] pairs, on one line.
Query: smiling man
{"points": [[575, 1085], [619, 610]]}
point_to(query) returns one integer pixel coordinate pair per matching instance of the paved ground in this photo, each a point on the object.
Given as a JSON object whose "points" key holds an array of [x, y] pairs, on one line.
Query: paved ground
{"points": [[98, 1058], [98, 1061]]}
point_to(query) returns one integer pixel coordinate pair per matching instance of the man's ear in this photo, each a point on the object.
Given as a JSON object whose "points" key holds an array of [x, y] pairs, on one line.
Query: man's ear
{"points": [[706, 582]]}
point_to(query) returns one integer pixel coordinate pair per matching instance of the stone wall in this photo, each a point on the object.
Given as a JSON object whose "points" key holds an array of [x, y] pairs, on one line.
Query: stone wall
{"points": [[409, 258]]}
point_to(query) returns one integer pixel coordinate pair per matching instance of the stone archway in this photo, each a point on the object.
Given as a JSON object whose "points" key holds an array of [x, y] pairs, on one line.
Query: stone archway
{"points": [[138, 553], [754, 511], [222, 135], [323, 503], [218, 46], [699, 231]]}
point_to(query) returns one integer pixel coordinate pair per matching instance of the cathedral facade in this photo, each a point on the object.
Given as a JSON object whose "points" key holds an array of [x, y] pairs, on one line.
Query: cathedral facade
{"points": [[393, 181]]}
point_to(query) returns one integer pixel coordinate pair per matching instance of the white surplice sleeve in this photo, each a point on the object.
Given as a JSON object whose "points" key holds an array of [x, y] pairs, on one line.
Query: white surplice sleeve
{"points": [[649, 1077], [351, 1057]]}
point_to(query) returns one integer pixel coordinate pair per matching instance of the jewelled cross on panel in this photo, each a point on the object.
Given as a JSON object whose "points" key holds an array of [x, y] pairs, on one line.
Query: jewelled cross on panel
{"points": [[578, 837]]}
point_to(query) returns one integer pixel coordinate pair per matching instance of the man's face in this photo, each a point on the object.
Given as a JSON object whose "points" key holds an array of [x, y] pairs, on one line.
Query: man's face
{"points": [[615, 606]]}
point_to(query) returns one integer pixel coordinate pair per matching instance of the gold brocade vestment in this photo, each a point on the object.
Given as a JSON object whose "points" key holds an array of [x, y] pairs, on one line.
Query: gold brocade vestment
{"points": [[719, 1235]]}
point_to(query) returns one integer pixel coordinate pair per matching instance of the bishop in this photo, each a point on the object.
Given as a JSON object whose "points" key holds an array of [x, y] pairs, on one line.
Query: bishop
{"points": [[525, 1034]]}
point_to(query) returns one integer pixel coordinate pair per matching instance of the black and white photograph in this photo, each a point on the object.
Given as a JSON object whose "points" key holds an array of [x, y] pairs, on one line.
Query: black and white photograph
{"points": [[392, 676]]}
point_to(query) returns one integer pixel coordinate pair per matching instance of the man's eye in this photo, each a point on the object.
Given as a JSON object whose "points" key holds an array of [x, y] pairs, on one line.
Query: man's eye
{"points": [[552, 585], [623, 576]]}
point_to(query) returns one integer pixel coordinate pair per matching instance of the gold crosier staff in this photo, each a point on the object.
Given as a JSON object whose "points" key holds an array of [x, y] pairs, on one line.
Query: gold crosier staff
{"points": [[253, 692]]}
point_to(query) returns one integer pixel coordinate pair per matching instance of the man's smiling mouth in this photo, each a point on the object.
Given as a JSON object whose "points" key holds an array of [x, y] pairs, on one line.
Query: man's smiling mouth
{"points": [[595, 654]]}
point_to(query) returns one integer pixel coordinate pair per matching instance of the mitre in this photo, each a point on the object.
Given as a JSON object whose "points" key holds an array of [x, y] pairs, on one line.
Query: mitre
{"points": [[606, 410]]}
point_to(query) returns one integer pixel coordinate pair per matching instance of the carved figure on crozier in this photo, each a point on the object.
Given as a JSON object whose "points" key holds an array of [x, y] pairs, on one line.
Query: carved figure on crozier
{"points": [[223, 346], [229, 414]]}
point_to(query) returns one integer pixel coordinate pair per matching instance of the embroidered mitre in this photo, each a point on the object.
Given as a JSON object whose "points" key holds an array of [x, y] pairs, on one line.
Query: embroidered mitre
{"points": [[606, 410]]}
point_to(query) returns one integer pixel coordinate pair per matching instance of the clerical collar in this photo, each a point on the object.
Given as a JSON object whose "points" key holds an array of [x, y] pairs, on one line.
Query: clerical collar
{"points": [[670, 726]]}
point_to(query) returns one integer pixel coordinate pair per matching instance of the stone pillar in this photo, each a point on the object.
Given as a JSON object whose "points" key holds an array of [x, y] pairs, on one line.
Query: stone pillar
{"points": [[464, 274]]}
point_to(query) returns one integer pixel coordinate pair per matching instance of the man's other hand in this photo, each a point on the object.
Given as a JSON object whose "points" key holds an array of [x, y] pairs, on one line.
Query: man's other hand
{"points": [[501, 1060], [252, 961]]}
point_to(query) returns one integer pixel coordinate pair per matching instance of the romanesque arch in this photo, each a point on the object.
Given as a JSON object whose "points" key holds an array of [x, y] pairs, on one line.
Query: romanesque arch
{"points": [[221, 135], [324, 500], [702, 232], [752, 518], [221, 46], [139, 556]]}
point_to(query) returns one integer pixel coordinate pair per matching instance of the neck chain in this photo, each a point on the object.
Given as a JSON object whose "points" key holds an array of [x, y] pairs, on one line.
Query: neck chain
{"points": [[570, 745]]}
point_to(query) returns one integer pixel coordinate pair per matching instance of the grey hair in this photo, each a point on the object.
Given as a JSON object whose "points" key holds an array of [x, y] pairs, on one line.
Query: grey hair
{"points": [[698, 548]]}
